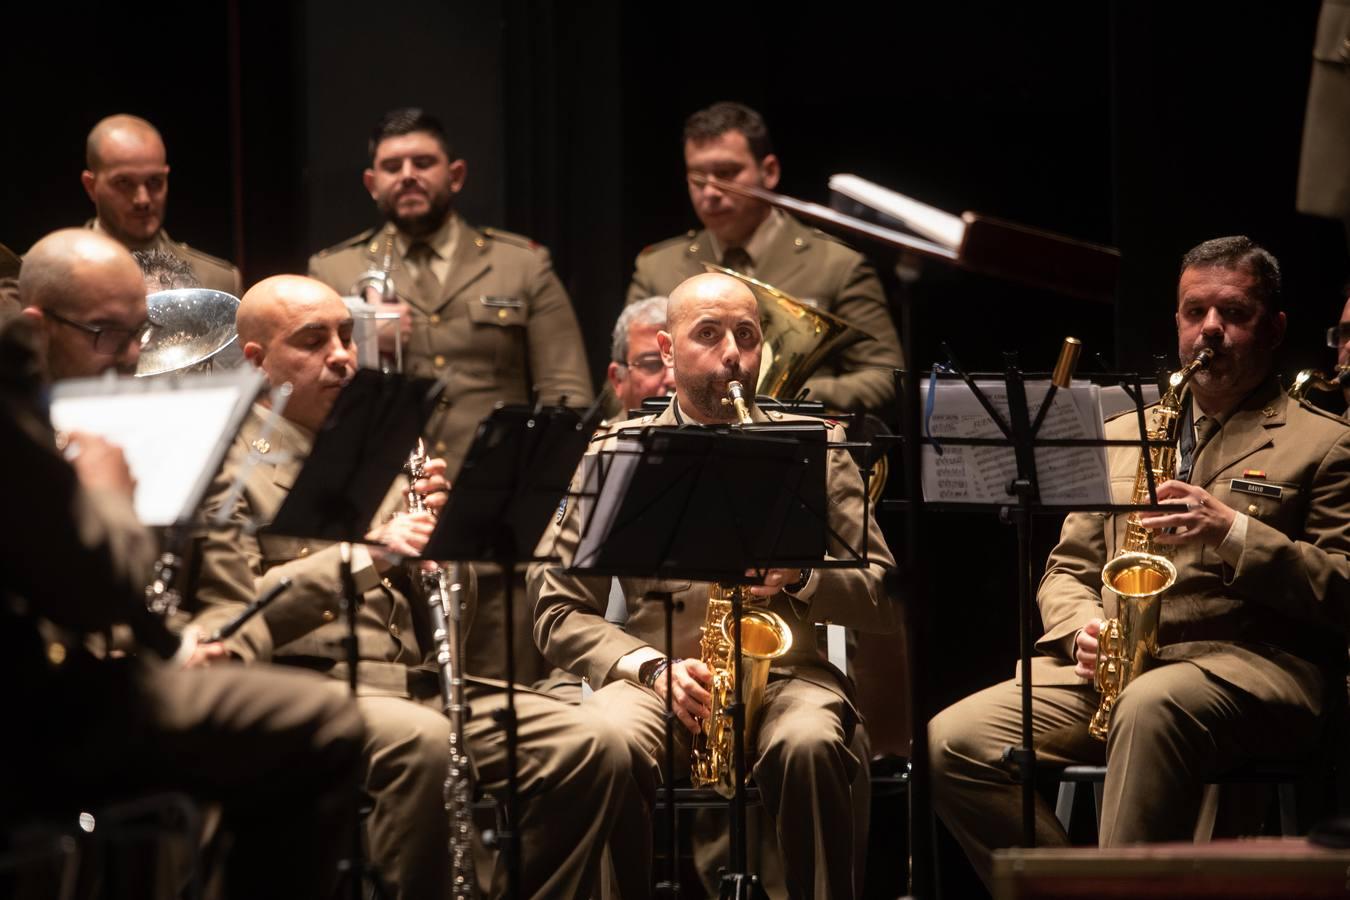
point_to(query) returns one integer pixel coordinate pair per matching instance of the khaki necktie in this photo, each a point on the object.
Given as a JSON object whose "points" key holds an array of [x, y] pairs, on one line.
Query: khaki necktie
{"points": [[426, 284], [738, 260]]}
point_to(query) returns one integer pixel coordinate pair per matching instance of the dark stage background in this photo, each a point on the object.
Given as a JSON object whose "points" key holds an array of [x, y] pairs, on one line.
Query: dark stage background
{"points": [[1148, 126]]}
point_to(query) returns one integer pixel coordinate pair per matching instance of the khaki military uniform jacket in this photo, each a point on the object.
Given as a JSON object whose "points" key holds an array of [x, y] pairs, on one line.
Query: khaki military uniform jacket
{"points": [[817, 269], [304, 626], [502, 326], [1270, 625], [1324, 167], [211, 271], [572, 632]]}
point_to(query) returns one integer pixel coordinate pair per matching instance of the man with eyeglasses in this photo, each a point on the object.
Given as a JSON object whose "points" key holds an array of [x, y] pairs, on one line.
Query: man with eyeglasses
{"points": [[127, 180], [86, 294], [636, 370], [278, 751], [1338, 338]]}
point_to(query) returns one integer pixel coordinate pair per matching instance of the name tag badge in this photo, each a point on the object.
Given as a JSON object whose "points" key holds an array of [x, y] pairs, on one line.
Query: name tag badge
{"points": [[1256, 487], [503, 302]]}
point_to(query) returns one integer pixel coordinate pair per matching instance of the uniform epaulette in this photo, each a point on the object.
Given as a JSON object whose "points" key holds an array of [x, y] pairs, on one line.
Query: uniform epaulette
{"points": [[207, 257], [509, 237], [1326, 414], [353, 241], [678, 240]]}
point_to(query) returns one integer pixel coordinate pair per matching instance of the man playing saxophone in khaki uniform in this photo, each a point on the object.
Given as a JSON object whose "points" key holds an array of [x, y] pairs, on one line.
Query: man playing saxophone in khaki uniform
{"points": [[484, 306], [575, 773], [802, 761], [1253, 632]]}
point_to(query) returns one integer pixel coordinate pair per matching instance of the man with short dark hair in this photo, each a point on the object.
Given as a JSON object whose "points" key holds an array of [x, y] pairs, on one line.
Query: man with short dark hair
{"points": [[486, 310], [730, 142], [127, 179], [1252, 634]]}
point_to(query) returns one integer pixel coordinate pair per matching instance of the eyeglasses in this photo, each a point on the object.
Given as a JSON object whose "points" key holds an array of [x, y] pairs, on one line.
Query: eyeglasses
{"points": [[108, 339], [648, 364], [1337, 335]]}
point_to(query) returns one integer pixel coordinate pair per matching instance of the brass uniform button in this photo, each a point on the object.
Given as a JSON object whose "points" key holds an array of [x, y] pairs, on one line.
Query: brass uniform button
{"points": [[440, 446], [1268, 412], [393, 629], [501, 314], [799, 242], [479, 243], [1251, 509], [434, 318], [328, 615], [304, 551], [693, 248], [261, 445], [439, 360]]}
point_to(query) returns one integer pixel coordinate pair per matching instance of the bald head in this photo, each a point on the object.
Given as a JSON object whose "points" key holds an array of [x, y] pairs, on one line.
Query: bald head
{"points": [[709, 288], [117, 131], [299, 332], [75, 282], [712, 337], [127, 179]]}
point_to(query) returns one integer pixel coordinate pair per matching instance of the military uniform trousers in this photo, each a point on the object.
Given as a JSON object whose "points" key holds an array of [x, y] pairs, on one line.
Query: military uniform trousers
{"points": [[278, 751], [1171, 728], [802, 764], [575, 782]]}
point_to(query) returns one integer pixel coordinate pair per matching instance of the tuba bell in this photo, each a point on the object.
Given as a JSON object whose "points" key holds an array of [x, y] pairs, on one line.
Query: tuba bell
{"points": [[192, 326], [797, 339]]}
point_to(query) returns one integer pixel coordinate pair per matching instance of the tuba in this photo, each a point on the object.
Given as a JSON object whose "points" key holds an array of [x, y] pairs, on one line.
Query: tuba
{"points": [[797, 339], [1309, 380], [764, 638], [1139, 574]]}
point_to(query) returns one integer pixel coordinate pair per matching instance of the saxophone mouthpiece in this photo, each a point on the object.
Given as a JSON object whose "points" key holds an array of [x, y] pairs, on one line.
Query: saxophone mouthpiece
{"points": [[1205, 357]]}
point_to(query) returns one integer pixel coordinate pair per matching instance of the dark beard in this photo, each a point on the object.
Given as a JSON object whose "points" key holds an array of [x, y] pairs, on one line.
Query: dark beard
{"points": [[705, 395], [423, 225]]}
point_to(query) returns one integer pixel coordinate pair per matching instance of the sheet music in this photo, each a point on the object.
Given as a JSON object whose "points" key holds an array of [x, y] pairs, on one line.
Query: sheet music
{"points": [[1115, 401], [935, 224], [596, 514], [173, 432], [964, 474]]}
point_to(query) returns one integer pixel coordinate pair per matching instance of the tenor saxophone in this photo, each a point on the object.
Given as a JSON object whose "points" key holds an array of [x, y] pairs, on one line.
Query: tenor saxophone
{"points": [[764, 638], [443, 589], [1139, 573]]}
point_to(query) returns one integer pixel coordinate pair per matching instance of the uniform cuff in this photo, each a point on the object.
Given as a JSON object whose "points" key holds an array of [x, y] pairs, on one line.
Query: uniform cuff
{"points": [[1230, 548], [628, 665]]}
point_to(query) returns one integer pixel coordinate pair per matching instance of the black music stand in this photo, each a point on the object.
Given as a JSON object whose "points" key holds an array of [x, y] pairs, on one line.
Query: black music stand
{"points": [[1020, 431], [707, 504], [519, 465], [358, 452], [1000, 249]]}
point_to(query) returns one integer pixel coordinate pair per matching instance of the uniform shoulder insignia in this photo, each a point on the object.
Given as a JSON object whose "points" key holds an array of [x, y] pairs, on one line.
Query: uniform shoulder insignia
{"points": [[679, 240], [353, 241], [509, 237]]}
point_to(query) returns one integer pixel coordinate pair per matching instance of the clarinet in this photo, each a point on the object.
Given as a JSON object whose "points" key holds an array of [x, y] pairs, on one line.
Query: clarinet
{"points": [[444, 592]]}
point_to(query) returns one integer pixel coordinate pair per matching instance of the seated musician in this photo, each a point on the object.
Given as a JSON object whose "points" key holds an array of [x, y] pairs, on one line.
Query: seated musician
{"points": [[1252, 631], [277, 750], [575, 773], [802, 761]]}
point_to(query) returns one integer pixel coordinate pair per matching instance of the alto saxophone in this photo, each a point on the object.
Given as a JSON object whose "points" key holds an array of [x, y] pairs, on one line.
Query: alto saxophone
{"points": [[1139, 573], [444, 598], [764, 638]]}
